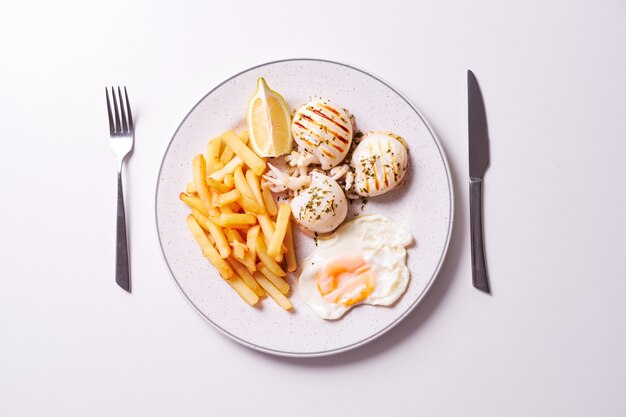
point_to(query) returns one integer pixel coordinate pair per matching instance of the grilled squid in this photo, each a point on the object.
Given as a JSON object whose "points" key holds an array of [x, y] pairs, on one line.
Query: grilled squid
{"points": [[324, 131], [279, 181], [320, 207], [380, 162]]}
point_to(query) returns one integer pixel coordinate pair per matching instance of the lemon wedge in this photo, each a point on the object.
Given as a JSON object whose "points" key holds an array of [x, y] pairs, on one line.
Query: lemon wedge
{"points": [[269, 122]]}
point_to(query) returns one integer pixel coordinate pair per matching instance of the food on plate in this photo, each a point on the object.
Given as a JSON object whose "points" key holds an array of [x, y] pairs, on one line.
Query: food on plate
{"points": [[267, 260], [208, 249], [246, 276], [194, 203], [268, 199], [278, 282], [272, 291], [380, 161], [243, 290], [213, 153], [362, 262], [249, 237], [269, 122], [235, 220], [282, 220], [252, 160], [323, 131], [362, 165], [322, 206], [226, 170], [292, 263]]}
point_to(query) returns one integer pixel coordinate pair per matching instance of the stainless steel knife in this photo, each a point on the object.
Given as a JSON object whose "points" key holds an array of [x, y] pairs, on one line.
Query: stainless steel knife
{"points": [[478, 163]]}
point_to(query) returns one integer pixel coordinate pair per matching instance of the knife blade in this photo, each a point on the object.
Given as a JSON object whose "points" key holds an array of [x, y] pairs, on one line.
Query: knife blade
{"points": [[478, 163]]}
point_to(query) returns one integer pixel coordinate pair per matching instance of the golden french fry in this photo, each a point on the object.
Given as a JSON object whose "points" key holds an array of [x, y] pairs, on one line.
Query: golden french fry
{"points": [[227, 153], [216, 233], [292, 263], [199, 174], [267, 226], [284, 212], [251, 238], [243, 290], [268, 261], [214, 198], [244, 136], [190, 188], [268, 199], [217, 186], [209, 251], [194, 203], [200, 218], [213, 148], [239, 250], [213, 162], [242, 227], [233, 235], [229, 168], [229, 181], [256, 164], [236, 208], [272, 291], [249, 261], [246, 276], [203, 222], [278, 282], [228, 197], [213, 166], [255, 186], [241, 184], [236, 219], [220, 239], [250, 205]]}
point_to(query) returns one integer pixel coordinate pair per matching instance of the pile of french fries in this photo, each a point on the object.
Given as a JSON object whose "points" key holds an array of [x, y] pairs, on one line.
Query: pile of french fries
{"points": [[237, 223]]}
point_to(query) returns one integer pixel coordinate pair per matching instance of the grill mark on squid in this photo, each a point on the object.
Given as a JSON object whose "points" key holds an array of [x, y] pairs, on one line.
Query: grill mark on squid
{"points": [[325, 116]]}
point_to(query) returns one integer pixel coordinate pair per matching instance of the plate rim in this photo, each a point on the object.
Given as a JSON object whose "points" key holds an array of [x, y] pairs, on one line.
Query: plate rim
{"points": [[394, 322]]}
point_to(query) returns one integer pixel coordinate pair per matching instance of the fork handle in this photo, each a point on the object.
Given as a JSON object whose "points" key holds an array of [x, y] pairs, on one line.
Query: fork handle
{"points": [[122, 272], [479, 269]]}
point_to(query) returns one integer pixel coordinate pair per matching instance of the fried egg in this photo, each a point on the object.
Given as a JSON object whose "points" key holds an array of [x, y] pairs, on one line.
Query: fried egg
{"points": [[322, 206], [324, 131], [363, 262], [380, 161]]}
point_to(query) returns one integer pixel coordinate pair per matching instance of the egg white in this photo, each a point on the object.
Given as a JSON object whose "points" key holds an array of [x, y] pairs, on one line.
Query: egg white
{"points": [[380, 242]]}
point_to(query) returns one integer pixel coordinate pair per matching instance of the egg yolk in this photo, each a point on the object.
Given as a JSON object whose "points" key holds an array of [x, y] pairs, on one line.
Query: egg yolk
{"points": [[346, 280]]}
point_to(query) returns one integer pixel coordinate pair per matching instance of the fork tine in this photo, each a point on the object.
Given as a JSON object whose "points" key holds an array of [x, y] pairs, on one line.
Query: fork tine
{"points": [[111, 125], [124, 124], [118, 126], [130, 114]]}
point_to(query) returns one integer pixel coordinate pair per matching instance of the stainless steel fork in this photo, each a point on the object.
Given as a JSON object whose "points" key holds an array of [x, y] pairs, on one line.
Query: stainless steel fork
{"points": [[122, 139]]}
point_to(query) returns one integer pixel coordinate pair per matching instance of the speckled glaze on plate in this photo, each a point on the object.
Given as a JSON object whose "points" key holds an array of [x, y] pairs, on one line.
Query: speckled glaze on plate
{"points": [[423, 205]]}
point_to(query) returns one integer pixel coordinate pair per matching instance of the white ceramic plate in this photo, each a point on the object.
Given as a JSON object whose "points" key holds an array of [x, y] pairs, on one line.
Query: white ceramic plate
{"points": [[423, 206]]}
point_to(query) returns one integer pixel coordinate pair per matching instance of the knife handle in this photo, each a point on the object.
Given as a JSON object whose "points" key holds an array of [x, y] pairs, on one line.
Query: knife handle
{"points": [[479, 269]]}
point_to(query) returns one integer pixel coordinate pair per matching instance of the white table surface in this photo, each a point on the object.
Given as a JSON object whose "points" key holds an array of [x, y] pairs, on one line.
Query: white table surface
{"points": [[551, 341]]}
